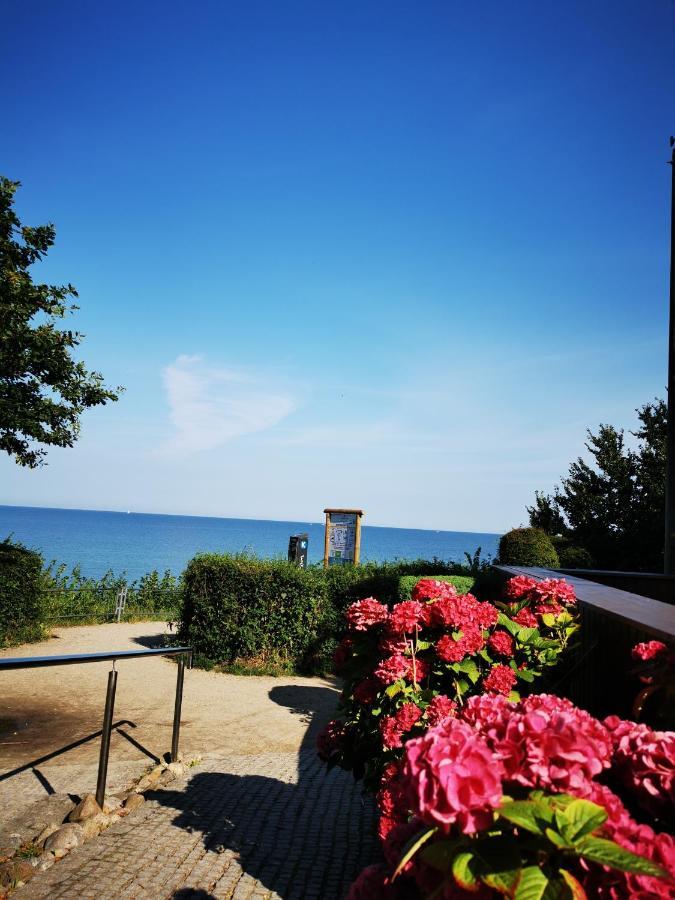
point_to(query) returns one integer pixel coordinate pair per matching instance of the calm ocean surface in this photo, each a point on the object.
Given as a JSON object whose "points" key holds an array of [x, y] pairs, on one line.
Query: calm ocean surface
{"points": [[136, 543]]}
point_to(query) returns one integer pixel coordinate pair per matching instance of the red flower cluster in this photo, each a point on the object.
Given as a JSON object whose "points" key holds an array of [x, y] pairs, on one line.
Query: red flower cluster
{"points": [[542, 742], [501, 642], [440, 709], [645, 762], [463, 793], [454, 650], [648, 650], [365, 613], [431, 589], [392, 728], [553, 591], [407, 616], [500, 680], [330, 739]]}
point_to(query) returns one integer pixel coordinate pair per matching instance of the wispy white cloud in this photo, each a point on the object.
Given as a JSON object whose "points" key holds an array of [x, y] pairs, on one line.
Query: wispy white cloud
{"points": [[211, 405]]}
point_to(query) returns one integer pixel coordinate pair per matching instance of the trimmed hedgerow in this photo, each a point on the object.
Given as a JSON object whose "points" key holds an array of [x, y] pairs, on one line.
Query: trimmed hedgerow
{"points": [[527, 547], [247, 614], [20, 594]]}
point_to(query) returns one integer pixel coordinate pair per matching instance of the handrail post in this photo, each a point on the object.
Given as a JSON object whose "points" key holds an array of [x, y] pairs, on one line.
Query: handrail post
{"points": [[177, 709], [105, 736]]}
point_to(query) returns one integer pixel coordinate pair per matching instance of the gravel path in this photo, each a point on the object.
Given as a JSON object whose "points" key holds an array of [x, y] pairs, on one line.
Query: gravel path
{"points": [[257, 818]]}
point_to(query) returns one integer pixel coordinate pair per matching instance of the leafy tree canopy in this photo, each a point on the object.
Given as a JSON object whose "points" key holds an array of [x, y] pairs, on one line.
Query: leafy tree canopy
{"points": [[43, 389], [614, 506]]}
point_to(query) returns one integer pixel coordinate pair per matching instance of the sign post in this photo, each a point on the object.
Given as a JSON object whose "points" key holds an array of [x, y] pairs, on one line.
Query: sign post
{"points": [[342, 543]]}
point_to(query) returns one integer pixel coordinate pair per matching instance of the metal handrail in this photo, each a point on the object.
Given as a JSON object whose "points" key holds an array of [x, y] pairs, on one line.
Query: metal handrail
{"points": [[36, 662]]}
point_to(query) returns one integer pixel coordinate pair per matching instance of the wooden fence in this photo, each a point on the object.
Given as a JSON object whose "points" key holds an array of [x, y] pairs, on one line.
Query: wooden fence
{"points": [[613, 620]]}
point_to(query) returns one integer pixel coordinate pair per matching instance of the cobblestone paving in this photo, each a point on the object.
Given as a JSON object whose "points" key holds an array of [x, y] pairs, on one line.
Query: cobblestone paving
{"points": [[246, 828]]}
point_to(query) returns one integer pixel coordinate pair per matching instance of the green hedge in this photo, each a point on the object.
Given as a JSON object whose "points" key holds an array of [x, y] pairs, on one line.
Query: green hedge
{"points": [[21, 598], [247, 614]]}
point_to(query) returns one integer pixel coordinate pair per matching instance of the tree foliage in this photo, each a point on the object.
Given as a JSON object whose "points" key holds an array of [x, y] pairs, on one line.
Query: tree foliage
{"points": [[43, 389], [614, 505]]}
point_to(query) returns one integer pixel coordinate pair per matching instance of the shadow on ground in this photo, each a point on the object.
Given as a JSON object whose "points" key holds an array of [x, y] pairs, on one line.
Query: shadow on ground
{"points": [[306, 838]]}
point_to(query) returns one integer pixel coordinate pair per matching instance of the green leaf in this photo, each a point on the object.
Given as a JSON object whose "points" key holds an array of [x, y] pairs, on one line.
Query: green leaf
{"points": [[548, 619], [525, 634], [522, 813], [469, 668], [558, 840], [412, 847], [607, 853], [423, 645], [576, 890], [581, 817], [514, 697], [525, 675], [439, 855], [534, 885], [500, 862], [512, 627], [461, 870], [395, 688]]}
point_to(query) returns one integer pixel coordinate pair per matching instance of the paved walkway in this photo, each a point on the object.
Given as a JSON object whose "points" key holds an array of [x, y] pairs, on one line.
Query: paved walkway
{"points": [[258, 817]]}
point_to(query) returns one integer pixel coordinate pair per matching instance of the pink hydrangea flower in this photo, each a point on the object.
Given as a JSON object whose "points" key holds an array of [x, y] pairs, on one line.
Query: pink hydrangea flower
{"points": [[440, 709], [501, 642], [330, 739], [431, 589], [406, 617], [363, 614], [407, 715], [452, 777], [648, 650], [366, 691], [392, 669], [391, 732], [526, 618], [500, 680], [519, 587]]}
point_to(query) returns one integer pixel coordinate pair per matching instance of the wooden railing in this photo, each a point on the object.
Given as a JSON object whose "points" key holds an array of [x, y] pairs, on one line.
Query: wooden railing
{"points": [[646, 584], [612, 621]]}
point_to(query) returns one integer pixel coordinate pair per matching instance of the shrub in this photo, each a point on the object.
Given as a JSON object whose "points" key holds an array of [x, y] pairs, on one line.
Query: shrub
{"points": [[523, 811], [20, 594], [239, 608], [527, 547], [408, 668], [260, 615], [572, 557]]}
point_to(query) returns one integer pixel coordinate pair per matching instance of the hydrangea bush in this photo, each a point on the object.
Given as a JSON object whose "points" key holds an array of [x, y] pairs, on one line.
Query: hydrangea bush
{"points": [[409, 668], [533, 799]]}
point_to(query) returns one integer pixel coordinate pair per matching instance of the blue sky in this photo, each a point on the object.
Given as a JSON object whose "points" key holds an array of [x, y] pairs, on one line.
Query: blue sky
{"points": [[390, 255]]}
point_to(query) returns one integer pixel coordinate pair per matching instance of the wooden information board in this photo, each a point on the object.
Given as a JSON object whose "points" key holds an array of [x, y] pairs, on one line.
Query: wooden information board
{"points": [[342, 545]]}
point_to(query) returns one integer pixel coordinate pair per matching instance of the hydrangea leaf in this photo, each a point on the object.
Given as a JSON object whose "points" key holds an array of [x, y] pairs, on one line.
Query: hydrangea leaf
{"points": [[534, 885], [395, 688], [461, 870], [524, 814], [580, 818], [607, 853], [439, 855], [412, 847]]}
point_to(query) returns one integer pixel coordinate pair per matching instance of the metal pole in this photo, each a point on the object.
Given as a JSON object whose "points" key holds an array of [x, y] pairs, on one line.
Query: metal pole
{"points": [[669, 554], [105, 736], [177, 708]]}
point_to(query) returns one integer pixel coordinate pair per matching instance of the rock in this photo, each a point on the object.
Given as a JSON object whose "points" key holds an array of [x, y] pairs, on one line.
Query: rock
{"points": [[177, 768], [14, 872], [87, 808], [43, 862], [151, 779], [44, 834], [64, 838], [133, 801], [112, 804], [94, 826], [166, 778]]}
